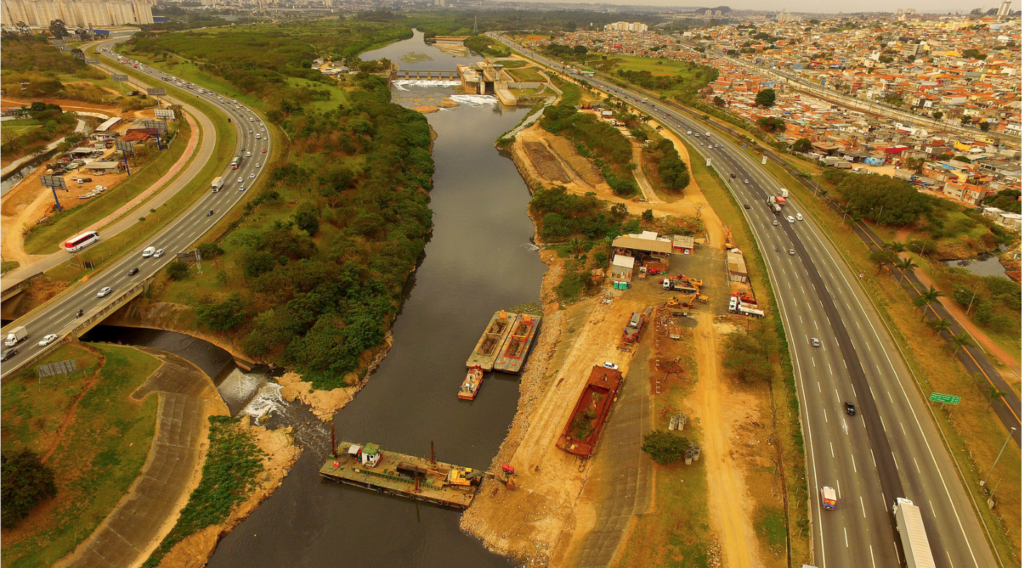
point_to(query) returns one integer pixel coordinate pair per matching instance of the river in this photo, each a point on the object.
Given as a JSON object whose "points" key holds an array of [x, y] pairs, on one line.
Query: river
{"points": [[478, 260]]}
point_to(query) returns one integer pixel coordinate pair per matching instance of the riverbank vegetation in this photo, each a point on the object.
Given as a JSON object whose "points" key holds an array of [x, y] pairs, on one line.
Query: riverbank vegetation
{"points": [[88, 432], [487, 46], [679, 80], [231, 470], [312, 271], [596, 139]]}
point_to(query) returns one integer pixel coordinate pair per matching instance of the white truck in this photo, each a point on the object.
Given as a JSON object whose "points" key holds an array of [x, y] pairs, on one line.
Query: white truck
{"points": [[15, 335], [916, 550], [784, 192]]}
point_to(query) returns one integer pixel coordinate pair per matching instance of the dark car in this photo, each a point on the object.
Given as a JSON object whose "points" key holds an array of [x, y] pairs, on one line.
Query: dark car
{"points": [[8, 353], [850, 408], [733, 176], [133, 272], [746, 206]]}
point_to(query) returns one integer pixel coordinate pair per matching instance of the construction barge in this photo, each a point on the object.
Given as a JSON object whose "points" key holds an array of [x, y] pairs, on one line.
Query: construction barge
{"points": [[492, 341], [513, 354], [592, 409], [393, 473]]}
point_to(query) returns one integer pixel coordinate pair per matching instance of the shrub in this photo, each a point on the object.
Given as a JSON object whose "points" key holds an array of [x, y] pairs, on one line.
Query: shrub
{"points": [[177, 270], [25, 481], [665, 447], [224, 315]]}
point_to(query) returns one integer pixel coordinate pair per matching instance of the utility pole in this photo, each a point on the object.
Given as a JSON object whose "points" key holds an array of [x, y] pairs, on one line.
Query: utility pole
{"points": [[1012, 430]]}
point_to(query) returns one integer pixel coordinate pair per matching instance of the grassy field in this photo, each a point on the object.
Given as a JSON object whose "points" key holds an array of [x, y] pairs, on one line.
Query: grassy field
{"points": [[973, 431], [98, 436], [338, 95], [20, 126], [527, 74], [46, 238]]}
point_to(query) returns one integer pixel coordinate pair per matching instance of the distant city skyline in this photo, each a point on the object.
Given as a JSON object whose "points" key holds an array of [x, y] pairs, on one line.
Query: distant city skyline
{"points": [[815, 6]]}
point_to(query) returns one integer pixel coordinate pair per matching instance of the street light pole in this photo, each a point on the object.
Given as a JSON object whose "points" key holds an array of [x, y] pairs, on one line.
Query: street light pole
{"points": [[1012, 430]]}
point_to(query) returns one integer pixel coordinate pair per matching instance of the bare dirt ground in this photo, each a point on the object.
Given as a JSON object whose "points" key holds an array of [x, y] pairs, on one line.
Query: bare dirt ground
{"points": [[527, 522], [546, 163], [718, 411]]}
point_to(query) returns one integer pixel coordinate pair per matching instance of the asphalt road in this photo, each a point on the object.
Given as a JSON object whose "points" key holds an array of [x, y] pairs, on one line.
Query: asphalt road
{"points": [[890, 448], [59, 317]]}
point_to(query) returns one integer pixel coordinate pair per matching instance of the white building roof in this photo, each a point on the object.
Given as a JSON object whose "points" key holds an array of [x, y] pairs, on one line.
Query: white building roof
{"points": [[623, 261], [108, 123]]}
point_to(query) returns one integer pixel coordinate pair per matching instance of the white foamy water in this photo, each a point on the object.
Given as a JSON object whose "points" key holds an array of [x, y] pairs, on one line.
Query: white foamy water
{"points": [[266, 401], [239, 388], [474, 100], [401, 84]]}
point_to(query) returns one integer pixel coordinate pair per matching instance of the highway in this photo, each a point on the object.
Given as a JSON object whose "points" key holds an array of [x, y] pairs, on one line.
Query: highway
{"points": [[890, 448], [60, 315]]}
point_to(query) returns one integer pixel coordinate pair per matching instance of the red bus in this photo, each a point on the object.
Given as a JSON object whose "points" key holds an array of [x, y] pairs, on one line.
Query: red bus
{"points": [[79, 242]]}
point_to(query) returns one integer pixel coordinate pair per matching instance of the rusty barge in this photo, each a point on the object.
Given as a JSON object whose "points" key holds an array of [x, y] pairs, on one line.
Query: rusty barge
{"points": [[492, 341], [592, 409], [517, 348], [367, 466]]}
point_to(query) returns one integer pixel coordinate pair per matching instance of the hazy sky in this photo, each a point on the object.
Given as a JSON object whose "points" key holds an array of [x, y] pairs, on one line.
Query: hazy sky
{"points": [[941, 6]]}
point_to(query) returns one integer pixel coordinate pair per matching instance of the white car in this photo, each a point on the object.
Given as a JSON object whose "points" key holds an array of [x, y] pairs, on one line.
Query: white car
{"points": [[799, 217], [610, 365], [105, 291], [158, 253], [248, 154], [48, 340], [257, 163], [252, 176], [239, 180], [241, 188], [791, 219]]}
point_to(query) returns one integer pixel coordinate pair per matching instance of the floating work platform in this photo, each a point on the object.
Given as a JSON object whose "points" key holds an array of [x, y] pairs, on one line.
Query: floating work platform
{"points": [[517, 348], [492, 341], [591, 411], [398, 474]]}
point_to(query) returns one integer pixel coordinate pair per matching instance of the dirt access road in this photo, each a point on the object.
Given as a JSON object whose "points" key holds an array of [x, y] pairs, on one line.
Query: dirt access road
{"points": [[728, 501]]}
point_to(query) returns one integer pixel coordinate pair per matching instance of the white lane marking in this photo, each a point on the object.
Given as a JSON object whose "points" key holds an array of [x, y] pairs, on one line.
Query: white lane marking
{"points": [[830, 447], [812, 362], [846, 538], [854, 462], [871, 549], [917, 466], [839, 400], [863, 512], [830, 369], [819, 386], [894, 460], [904, 429], [874, 463], [823, 411], [891, 400], [815, 324]]}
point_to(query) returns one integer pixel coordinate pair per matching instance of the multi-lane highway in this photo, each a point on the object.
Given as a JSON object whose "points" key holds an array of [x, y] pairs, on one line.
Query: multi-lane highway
{"points": [[890, 448], [60, 315]]}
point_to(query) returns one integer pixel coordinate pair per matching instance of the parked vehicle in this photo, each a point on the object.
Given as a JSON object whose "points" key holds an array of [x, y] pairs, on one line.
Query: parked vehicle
{"points": [[15, 335], [916, 550]]}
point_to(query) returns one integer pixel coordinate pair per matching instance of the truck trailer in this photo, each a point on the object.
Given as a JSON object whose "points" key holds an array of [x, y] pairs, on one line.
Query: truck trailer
{"points": [[774, 206], [15, 335], [917, 552]]}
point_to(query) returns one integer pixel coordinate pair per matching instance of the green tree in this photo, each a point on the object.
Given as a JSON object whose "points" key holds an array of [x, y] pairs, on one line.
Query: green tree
{"points": [[904, 265], [926, 298], [647, 215], [306, 219], [25, 481], [177, 270], [937, 115], [960, 341], [984, 126], [802, 145], [665, 447], [765, 98], [223, 316], [939, 326], [719, 102], [882, 257]]}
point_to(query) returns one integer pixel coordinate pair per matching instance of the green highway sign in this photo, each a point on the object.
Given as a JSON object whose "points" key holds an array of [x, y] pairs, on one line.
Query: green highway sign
{"points": [[945, 398]]}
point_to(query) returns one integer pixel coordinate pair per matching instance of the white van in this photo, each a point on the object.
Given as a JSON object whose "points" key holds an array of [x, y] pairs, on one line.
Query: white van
{"points": [[148, 252]]}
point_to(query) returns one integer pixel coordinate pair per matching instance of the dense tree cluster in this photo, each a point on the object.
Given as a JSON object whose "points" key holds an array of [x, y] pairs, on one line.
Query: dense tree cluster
{"points": [[765, 98], [665, 447], [882, 199], [672, 170], [564, 214], [749, 352], [596, 139], [1008, 200]]}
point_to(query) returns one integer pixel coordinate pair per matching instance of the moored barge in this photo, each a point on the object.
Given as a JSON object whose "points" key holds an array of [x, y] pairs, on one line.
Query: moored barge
{"points": [[492, 341], [517, 348], [366, 465]]}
